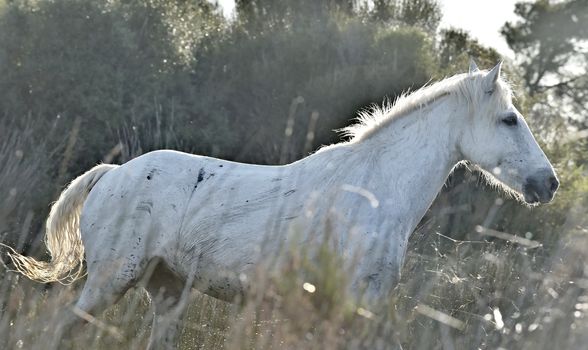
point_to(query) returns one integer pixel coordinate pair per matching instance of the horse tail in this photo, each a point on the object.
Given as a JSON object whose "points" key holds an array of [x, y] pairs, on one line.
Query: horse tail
{"points": [[62, 234]]}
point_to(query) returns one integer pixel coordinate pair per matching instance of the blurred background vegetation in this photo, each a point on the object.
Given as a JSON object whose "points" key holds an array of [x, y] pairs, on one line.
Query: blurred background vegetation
{"points": [[106, 80]]}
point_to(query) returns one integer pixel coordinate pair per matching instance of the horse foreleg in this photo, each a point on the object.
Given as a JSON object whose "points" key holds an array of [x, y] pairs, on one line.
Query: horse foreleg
{"points": [[374, 280]]}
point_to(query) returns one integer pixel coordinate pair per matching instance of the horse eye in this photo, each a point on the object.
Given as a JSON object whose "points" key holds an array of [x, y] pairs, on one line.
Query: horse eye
{"points": [[511, 120]]}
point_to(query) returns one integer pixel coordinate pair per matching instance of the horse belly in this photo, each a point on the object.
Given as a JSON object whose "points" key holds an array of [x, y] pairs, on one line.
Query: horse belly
{"points": [[223, 240], [221, 262]]}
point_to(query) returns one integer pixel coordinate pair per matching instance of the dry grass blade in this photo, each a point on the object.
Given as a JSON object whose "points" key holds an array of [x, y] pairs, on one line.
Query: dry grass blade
{"points": [[508, 237], [113, 331], [440, 317]]}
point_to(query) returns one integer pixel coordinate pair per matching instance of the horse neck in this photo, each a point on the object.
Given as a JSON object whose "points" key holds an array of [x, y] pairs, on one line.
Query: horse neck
{"points": [[408, 160]]}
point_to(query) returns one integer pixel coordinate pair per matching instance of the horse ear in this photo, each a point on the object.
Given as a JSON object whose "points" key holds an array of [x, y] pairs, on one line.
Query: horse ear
{"points": [[491, 78], [473, 66]]}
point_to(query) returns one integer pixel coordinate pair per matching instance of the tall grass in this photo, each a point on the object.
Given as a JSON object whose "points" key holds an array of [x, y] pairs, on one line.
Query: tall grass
{"points": [[479, 274], [453, 295]]}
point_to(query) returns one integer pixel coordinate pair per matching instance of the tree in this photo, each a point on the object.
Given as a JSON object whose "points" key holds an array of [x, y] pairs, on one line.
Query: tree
{"points": [[384, 10], [424, 14], [265, 16], [550, 42], [456, 47], [111, 64]]}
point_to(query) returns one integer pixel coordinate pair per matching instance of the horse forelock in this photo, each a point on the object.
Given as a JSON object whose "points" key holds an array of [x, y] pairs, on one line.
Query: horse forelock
{"points": [[472, 90], [467, 88]]}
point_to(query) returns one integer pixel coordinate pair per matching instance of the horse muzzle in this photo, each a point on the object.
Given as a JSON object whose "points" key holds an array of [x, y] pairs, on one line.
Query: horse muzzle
{"points": [[541, 187]]}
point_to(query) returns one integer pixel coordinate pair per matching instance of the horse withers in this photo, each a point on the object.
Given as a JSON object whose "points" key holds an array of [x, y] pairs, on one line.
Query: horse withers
{"points": [[191, 221]]}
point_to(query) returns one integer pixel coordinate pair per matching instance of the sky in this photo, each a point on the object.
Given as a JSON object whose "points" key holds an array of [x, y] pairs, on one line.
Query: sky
{"points": [[481, 18]]}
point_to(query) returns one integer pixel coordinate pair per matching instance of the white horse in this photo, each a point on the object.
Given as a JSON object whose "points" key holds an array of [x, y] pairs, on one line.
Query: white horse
{"points": [[190, 221]]}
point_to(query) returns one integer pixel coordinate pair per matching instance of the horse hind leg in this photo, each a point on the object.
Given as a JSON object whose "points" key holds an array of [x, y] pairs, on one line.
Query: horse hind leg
{"points": [[104, 286], [169, 298]]}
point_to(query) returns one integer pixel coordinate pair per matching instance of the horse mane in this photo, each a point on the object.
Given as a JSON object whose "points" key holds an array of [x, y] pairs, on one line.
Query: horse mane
{"points": [[466, 87]]}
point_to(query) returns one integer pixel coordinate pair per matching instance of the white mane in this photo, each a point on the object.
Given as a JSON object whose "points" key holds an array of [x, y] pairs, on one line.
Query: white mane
{"points": [[466, 87]]}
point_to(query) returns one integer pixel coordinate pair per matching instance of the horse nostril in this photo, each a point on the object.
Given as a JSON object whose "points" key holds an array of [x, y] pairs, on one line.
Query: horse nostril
{"points": [[554, 184]]}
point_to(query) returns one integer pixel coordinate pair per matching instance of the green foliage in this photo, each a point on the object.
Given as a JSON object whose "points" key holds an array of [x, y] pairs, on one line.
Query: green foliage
{"points": [[456, 47], [97, 61], [137, 69], [547, 37], [423, 14], [324, 67], [550, 43]]}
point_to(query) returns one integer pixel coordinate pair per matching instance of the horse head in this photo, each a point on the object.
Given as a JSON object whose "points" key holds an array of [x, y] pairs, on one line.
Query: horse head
{"points": [[497, 139]]}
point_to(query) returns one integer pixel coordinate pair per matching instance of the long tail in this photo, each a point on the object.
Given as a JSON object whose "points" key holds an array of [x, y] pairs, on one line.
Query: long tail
{"points": [[62, 236]]}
